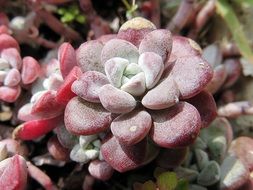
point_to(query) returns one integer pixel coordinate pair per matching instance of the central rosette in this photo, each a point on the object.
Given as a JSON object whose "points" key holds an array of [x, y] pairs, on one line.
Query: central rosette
{"points": [[135, 75]]}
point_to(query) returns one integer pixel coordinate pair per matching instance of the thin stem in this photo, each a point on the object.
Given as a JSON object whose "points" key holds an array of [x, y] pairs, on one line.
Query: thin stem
{"points": [[203, 16], [184, 13]]}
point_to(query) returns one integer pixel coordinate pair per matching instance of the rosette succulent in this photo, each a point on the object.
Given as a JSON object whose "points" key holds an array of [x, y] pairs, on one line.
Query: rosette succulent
{"points": [[122, 97], [14, 71], [140, 84]]}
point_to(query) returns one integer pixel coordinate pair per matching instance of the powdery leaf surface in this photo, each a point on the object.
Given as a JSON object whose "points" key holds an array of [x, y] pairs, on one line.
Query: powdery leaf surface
{"points": [[100, 169], [158, 41], [85, 118], [12, 78], [13, 173], [207, 110], [88, 56], [121, 157], [152, 65], [67, 58], [9, 94], [13, 57], [191, 74], [88, 85], [132, 127], [7, 41], [242, 148], [115, 100], [164, 95], [177, 126], [119, 48], [183, 47], [30, 70]]}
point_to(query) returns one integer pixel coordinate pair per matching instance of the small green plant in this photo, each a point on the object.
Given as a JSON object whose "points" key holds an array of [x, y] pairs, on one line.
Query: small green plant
{"points": [[71, 14], [164, 181], [130, 12]]}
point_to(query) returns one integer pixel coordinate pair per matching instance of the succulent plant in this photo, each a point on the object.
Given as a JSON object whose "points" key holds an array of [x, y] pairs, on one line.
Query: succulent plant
{"points": [[14, 72], [226, 72], [139, 90], [214, 160], [135, 85]]}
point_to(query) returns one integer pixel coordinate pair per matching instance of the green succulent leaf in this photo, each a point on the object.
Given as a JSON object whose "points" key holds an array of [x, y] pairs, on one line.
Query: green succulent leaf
{"points": [[149, 185], [167, 181], [182, 185], [81, 19]]}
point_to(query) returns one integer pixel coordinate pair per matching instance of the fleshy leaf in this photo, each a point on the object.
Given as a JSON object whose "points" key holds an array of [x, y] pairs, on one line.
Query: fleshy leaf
{"points": [[156, 100], [121, 157], [167, 181], [191, 74], [241, 147], [85, 118], [219, 77], [88, 56], [158, 41], [185, 47], [47, 105], [115, 100], [210, 174], [177, 126], [132, 127], [100, 170], [67, 58], [64, 93], [114, 69], [135, 29], [13, 57], [207, 111], [55, 148], [119, 48], [88, 85], [135, 85], [213, 55], [66, 139], [12, 78], [152, 65], [13, 173], [7, 41], [30, 70], [9, 94], [233, 70], [35, 128], [233, 173]]}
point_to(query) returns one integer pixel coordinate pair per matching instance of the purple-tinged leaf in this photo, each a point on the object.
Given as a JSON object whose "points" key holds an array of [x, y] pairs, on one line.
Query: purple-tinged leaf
{"points": [[88, 85], [208, 110], [191, 74], [121, 157], [152, 65], [164, 95], [88, 56], [177, 126], [119, 48], [85, 118], [115, 100], [132, 127], [158, 41], [67, 58], [100, 170]]}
